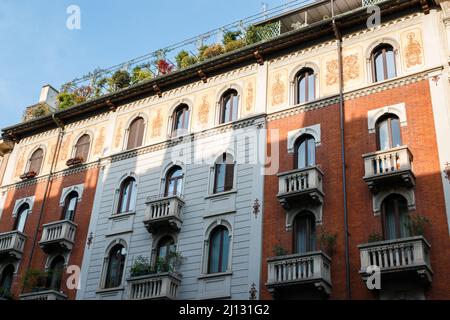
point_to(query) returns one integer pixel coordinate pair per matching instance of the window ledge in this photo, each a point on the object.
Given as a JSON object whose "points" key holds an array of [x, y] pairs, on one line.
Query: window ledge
{"points": [[220, 194], [122, 215], [100, 291], [215, 275]]}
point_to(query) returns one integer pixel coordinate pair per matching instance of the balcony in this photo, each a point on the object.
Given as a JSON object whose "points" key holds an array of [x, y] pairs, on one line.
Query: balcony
{"points": [[58, 236], [12, 244], [163, 213], [162, 286], [387, 168], [44, 295], [300, 185], [398, 258], [300, 272]]}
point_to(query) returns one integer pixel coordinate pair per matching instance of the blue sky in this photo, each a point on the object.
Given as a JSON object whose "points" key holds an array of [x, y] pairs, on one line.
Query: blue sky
{"points": [[37, 48]]}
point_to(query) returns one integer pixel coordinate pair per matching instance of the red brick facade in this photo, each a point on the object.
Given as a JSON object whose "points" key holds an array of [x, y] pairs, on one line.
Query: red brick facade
{"points": [[51, 212], [419, 135]]}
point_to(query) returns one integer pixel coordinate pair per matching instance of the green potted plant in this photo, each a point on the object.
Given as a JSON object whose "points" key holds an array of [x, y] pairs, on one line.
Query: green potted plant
{"points": [[327, 242], [417, 224], [119, 80], [140, 74], [231, 41], [375, 237], [184, 59], [208, 52], [35, 280], [279, 251], [141, 266]]}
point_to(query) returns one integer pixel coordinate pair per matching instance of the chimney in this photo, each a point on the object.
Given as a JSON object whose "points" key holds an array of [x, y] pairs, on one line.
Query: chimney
{"points": [[48, 96]]}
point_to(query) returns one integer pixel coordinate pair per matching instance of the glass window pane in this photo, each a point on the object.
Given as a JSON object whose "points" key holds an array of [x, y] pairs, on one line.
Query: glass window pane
{"points": [[383, 135], [403, 219], [390, 219], [71, 207], [311, 152], [302, 155], [396, 136], [301, 235], [220, 177], [379, 67], [225, 248], [311, 88], [390, 61], [302, 90], [234, 112], [22, 216], [214, 252]]}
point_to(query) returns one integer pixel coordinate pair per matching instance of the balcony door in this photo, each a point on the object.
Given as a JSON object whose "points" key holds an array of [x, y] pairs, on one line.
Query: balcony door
{"points": [[388, 132], [305, 152], [395, 217], [304, 233]]}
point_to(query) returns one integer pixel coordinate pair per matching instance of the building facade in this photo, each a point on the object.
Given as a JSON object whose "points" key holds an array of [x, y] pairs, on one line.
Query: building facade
{"points": [[285, 169]]}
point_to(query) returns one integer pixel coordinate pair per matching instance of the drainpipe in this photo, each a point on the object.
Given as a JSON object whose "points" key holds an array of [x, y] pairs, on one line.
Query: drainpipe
{"points": [[344, 171], [47, 187]]}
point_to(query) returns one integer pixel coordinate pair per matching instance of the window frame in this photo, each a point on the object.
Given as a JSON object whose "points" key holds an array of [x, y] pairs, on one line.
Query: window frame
{"points": [[133, 192], [222, 115], [304, 138], [21, 212], [222, 229], [139, 139], [387, 117], [67, 200], [374, 54], [51, 278], [229, 176], [186, 117], [9, 267], [107, 281], [168, 179], [396, 198], [311, 232], [87, 145], [33, 158], [304, 73]]}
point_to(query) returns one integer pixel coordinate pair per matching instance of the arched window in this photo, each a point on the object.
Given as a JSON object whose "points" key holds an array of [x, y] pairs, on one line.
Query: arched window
{"points": [[127, 196], [229, 104], [70, 206], [115, 267], [136, 133], [6, 281], [82, 148], [224, 174], [305, 152], [304, 233], [174, 182], [21, 217], [383, 63], [166, 247], [180, 120], [395, 217], [388, 132], [219, 245], [55, 273], [305, 85], [35, 162]]}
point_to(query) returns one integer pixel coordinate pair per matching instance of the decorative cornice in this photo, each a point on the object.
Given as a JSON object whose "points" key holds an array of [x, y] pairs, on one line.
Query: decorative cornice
{"points": [[373, 88], [53, 176], [387, 85], [325, 102], [256, 120]]}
